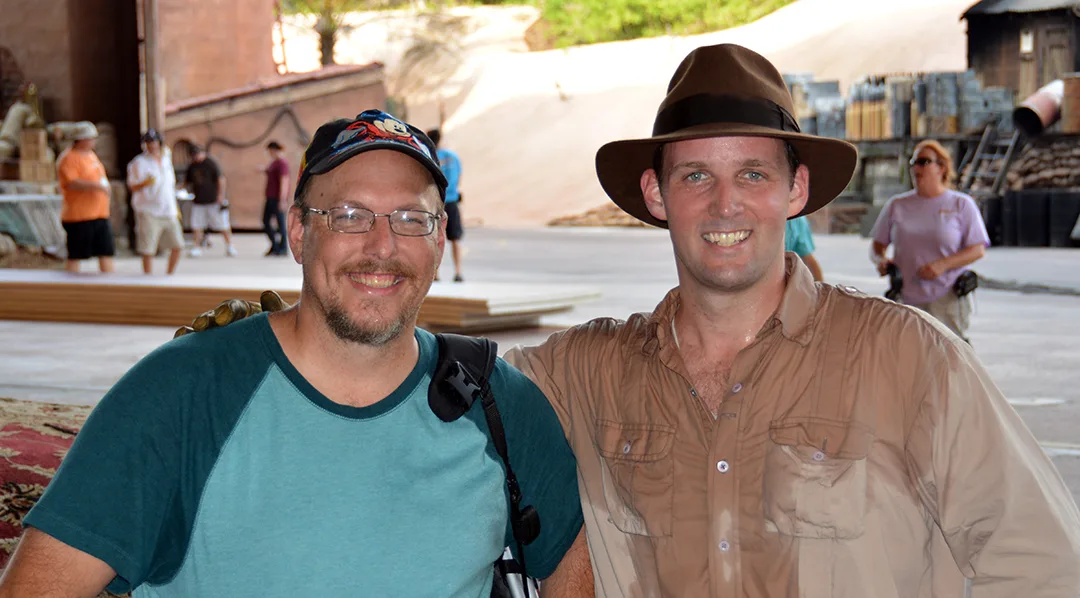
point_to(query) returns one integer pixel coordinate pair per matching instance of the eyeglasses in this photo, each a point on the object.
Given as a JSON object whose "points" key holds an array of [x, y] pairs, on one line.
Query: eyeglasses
{"points": [[407, 223], [922, 161]]}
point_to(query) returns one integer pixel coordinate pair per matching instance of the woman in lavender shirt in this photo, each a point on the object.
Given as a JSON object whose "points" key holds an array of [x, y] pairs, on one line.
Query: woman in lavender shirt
{"points": [[936, 233]]}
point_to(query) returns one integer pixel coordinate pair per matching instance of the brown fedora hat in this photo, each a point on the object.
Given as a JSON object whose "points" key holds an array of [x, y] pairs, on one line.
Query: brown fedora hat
{"points": [[724, 91]]}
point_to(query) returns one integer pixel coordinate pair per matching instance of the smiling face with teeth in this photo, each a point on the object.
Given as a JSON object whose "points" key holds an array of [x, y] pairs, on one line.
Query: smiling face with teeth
{"points": [[368, 287], [726, 200]]}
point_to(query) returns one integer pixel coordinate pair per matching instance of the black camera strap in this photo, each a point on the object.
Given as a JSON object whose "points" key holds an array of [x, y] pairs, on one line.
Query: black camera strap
{"points": [[462, 376]]}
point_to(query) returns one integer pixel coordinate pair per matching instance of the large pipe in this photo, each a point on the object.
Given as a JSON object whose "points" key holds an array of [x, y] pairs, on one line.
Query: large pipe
{"points": [[1041, 110]]}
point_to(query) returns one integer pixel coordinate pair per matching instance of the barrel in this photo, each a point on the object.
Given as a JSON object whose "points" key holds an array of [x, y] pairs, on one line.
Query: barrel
{"points": [[1040, 110], [1070, 104]]}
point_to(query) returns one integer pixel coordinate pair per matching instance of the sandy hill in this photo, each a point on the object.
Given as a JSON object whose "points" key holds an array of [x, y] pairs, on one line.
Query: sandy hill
{"points": [[527, 124]]}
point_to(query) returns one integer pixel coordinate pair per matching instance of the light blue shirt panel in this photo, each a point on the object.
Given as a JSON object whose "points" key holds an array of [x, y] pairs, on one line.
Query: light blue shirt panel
{"points": [[450, 164], [319, 504]]}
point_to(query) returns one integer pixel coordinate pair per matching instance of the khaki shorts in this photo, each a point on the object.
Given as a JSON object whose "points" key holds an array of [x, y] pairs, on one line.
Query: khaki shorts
{"points": [[209, 217], [152, 232], [952, 311]]}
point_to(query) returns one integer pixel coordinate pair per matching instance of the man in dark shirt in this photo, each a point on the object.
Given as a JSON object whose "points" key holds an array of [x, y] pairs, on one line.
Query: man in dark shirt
{"points": [[209, 210], [277, 186]]}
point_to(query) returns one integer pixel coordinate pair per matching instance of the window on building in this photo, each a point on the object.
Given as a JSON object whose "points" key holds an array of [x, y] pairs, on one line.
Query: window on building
{"points": [[1027, 42]]}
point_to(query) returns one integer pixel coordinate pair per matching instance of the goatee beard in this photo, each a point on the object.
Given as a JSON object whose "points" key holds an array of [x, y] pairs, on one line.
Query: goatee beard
{"points": [[345, 329]]}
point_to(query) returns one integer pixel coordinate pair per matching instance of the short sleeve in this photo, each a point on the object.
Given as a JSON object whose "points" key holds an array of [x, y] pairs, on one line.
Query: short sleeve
{"points": [[136, 172], [799, 238], [882, 231], [110, 497], [544, 465], [66, 170], [974, 229]]}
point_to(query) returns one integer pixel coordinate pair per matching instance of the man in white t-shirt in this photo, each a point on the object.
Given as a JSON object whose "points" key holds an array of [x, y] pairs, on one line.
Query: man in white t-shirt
{"points": [[153, 186]]}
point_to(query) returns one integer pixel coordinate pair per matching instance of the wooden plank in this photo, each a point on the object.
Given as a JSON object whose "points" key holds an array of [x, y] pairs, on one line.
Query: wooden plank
{"points": [[41, 295]]}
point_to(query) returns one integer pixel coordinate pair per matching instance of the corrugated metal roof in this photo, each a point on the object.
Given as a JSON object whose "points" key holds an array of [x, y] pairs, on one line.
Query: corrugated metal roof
{"points": [[996, 7]]}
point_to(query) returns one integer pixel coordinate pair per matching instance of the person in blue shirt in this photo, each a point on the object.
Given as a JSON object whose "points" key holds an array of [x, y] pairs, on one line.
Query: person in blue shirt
{"points": [[799, 239], [450, 163], [296, 453]]}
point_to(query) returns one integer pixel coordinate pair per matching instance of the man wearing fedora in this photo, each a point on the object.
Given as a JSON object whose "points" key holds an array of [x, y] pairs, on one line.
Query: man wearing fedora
{"points": [[762, 435]]}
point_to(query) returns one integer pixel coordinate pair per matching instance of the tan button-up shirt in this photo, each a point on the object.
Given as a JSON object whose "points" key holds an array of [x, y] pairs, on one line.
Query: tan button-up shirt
{"points": [[860, 451]]}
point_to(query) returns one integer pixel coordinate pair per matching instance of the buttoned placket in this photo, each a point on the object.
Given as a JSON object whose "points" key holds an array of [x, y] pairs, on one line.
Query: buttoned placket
{"points": [[723, 483]]}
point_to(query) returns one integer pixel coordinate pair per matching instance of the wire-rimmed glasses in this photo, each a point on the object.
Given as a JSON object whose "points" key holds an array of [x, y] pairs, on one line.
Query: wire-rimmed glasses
{"points": [[351, 221]]}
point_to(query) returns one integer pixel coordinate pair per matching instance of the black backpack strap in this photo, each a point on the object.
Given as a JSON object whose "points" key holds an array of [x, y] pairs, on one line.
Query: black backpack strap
{"points": [[461, 376]]}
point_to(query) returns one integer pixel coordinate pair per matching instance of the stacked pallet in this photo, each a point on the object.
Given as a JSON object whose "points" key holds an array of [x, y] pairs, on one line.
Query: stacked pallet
{"points": [[176, 300], [35, 164]]}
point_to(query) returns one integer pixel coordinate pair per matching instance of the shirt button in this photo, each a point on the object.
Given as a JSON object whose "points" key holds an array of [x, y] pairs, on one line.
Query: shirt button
{"points": [[819, 456], [724, 546], [722, 466], [738, 387], [626, 448]]}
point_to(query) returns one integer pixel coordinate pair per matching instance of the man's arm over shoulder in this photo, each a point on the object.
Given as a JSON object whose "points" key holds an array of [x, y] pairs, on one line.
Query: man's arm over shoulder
{"points": [[545, 468], [1006, 514], [44, 567], [564, 365]]}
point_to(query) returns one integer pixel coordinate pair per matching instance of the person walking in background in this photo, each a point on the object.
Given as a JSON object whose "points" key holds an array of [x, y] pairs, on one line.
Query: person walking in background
{"points": [[277, 186], [85, 212], [152, 181], [799, 239], [937, 232], [450, 163], [209, 210]]}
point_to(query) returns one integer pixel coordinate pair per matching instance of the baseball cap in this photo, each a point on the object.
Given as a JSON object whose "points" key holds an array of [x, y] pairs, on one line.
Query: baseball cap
{"points": [[338, 140], [84, 130], [151, 135]]}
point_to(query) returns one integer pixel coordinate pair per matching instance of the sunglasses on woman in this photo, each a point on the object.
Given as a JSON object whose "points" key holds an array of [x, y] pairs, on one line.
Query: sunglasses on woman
{"points": [[922, 161]]}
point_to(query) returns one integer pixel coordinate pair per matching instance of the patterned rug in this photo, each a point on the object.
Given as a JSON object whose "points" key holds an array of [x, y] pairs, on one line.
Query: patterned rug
{"points": [[34, 438]]}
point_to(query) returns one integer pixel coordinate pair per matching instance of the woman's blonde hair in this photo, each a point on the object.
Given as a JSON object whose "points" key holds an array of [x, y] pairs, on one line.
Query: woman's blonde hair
{"points": [[944, 158]]}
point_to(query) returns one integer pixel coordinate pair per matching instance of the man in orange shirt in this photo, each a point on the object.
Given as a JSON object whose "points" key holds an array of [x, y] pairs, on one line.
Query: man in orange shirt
{"points": [[85, 214]]}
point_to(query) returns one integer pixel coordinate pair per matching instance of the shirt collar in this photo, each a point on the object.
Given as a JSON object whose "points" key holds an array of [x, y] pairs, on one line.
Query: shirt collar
{"points": [[795, 315]]}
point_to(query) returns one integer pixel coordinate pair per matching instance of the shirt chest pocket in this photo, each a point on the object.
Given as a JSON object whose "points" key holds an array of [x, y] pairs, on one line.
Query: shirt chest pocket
{"points": [[639, 474], [815, 479]]}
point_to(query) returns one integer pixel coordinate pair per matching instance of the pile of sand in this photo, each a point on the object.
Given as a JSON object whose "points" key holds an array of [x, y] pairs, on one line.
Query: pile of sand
{"points": [[527, 124]]}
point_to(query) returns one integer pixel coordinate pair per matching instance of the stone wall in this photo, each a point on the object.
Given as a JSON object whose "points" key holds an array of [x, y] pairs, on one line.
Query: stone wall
{"points": [[210, 46], [245, 184]]}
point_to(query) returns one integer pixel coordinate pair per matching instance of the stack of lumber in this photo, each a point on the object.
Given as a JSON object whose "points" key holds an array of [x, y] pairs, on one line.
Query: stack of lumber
{"points": [[176, 300], [609, 215], [1053, 165]]}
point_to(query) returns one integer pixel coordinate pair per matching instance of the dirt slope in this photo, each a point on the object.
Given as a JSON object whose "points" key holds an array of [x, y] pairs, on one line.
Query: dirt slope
{"points": [[527, 124]]}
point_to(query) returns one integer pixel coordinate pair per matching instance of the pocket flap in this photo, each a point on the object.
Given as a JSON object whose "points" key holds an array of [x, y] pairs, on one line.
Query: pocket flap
{"points": [[634, 442], [837, 440]]}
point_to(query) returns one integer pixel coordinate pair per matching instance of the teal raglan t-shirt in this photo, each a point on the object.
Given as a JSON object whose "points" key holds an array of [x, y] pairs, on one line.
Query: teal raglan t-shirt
{"points": [[213, 468]]}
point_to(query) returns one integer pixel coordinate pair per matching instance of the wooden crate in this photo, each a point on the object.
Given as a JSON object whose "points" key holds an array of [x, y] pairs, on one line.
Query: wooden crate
{"points": [[34, 171], [33, 145]]}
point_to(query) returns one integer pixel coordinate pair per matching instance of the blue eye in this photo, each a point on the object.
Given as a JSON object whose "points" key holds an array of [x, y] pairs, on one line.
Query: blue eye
{"points": [[695, 177], [755, 176]]}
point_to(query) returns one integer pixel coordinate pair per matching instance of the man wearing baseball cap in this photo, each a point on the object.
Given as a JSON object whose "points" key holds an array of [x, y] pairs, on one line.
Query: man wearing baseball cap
{"points": [[759, 435], [295, 453], [152, 181], [85, 212]]}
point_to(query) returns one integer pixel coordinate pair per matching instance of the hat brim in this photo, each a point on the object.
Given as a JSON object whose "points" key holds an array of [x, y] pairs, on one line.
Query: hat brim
{"points": [[334, 160], [620, 164]]}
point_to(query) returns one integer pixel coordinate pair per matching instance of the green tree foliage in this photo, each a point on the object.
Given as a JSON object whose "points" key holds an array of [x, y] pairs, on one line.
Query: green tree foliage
{"points": [[329, 15], [575, 22]]}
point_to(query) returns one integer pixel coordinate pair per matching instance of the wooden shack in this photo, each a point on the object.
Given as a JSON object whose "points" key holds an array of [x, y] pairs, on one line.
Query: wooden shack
{"points": [[1023, 44]]}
